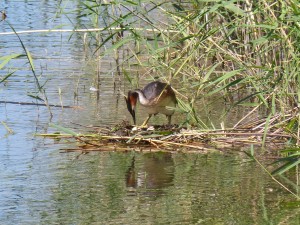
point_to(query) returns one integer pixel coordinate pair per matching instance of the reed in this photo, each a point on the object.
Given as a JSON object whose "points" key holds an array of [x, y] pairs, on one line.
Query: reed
{"points": [[27, 54], [243, 52]]}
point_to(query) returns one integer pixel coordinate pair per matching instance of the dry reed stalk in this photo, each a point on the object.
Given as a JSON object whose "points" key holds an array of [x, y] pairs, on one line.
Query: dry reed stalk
{"points": [[86, 30]]}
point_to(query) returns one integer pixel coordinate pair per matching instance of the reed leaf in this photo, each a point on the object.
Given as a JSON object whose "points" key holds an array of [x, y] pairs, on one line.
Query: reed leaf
{"points": [[30, 59], [6, 59], [117, 45], [224, 77], [63, 129], [7, 76], [233, 8], [286, 167]]}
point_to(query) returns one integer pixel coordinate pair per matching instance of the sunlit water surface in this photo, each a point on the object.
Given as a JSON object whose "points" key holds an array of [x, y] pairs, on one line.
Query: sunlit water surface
{"points": [[42, 185]]}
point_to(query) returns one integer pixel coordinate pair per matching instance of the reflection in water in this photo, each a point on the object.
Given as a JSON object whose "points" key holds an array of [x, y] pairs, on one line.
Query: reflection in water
{"points": [[130, 175], [156, 173]]}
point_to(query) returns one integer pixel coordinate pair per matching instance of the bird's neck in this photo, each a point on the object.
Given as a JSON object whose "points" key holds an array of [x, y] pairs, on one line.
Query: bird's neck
{"points": [[143, 100]]}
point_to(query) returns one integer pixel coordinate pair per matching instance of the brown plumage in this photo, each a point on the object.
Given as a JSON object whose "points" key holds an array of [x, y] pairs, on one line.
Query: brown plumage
{"points": [[156, 97]]}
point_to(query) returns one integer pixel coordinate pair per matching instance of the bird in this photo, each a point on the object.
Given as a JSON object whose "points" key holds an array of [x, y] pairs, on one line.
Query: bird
{"points": [[156, 97]]}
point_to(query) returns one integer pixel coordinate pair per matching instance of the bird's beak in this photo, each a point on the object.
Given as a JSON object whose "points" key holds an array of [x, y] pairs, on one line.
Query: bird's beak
{"points": [[133, 116], [131, 103]]}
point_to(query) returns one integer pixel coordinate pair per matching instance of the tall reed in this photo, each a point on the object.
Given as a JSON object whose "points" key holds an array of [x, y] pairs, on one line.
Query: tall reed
{"points": [[245, 52], [27, 54]]}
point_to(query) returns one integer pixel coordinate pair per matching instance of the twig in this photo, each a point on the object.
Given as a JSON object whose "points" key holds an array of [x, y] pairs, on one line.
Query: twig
{"points": [[252, 134], [32, 103], [253, 110], [9, 130], [85, 30]]}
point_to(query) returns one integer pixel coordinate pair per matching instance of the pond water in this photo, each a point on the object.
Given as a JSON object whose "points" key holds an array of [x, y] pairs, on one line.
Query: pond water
{"points": [[42, 185]]}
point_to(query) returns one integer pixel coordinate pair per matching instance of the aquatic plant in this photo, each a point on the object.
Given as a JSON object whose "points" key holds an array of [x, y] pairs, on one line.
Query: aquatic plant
{"points": [[6, 59], [244, 53]]}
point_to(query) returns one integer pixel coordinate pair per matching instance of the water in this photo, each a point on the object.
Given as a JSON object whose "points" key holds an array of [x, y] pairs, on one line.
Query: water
{"points": [[42, 185]]}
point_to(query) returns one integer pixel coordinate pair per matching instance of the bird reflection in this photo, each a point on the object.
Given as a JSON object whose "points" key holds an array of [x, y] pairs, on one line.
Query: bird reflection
{"points": [[156, 173]]}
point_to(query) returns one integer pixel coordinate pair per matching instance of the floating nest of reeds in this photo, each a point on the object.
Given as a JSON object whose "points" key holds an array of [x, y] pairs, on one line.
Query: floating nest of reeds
{"points": [[174, 138]]}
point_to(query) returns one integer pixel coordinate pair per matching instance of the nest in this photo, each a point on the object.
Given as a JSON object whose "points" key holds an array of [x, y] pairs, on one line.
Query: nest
{"points": [[124, 137]]}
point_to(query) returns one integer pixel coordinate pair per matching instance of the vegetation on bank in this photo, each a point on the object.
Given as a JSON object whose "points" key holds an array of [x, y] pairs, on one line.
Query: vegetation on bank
{"points": [[244, 52]]}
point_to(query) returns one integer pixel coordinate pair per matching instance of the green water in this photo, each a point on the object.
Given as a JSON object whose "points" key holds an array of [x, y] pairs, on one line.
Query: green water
{"points": [[151, 188], [146, 188]]}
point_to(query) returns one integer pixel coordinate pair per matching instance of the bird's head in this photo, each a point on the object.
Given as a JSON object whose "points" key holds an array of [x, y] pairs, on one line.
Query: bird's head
{"points": [[131, 100]]}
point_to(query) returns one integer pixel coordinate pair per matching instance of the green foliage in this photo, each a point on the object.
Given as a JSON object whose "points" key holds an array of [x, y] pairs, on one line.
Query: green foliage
{"points": [[276, 172], [5, 60], [6, 76], [290, 161], [220, 47], [246, 52], [63, 129], [27, 54]]}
